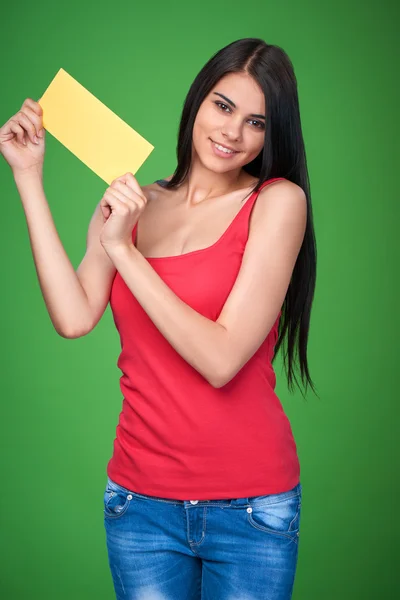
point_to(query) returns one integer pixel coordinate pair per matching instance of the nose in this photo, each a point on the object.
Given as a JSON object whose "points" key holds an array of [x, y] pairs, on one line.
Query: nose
{"points": [[232, 130]]}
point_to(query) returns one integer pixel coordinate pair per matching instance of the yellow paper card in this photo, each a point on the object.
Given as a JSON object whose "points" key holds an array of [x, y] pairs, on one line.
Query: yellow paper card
{"points": [[90, 130]]}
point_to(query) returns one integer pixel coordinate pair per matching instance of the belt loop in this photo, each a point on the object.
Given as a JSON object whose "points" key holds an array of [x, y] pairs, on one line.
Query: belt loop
{"points": [[239, 501]]}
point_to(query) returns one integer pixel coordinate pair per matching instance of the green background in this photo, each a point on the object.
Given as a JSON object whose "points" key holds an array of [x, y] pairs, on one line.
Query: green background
{"points": [[61, 398]]}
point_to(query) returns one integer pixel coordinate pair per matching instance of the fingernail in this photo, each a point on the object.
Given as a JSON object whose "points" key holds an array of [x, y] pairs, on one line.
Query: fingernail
{"points": [[36, 139]]}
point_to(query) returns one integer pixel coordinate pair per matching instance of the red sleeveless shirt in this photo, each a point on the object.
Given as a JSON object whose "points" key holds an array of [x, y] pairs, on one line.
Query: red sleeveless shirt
{"points": [[178, 437]]}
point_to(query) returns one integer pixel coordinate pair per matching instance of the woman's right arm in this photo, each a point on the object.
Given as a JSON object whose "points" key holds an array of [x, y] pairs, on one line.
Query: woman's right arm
{"points": [[75, 300]]}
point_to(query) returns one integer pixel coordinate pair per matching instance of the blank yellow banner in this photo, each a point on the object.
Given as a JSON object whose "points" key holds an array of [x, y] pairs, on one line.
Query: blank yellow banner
{"points": [[90, 130]]}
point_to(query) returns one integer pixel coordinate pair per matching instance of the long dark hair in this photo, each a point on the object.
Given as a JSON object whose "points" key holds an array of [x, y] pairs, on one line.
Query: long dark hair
{"points": [[283, 155]]}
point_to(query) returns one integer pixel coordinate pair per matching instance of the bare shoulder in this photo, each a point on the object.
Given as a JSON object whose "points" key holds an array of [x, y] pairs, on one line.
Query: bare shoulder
{"points": [[152, 191], [283, 191], [285, 185], [281, 201]]}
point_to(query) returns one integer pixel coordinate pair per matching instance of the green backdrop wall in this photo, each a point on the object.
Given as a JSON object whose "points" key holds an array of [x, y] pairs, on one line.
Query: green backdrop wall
{"points": [[61, 398]]}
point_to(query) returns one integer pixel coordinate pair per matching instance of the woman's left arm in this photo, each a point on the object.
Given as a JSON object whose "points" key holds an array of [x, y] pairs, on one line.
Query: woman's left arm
{"points": [[200, 341], [219, 349]]}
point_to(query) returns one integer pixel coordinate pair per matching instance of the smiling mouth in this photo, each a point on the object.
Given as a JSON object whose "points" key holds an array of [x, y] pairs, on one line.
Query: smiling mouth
{"points": [[231, 150]]}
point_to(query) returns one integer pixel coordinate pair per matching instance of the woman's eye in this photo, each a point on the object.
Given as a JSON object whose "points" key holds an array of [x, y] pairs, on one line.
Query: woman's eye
{"points": [[258, 125], [221, 104]]}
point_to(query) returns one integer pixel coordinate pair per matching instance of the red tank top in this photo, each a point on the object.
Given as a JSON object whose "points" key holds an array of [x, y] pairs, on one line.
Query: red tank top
{"points": [[177, 436]]}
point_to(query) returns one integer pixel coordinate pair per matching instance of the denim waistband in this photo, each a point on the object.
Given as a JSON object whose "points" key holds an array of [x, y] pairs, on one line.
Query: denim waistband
{"points": [[266, 499]]}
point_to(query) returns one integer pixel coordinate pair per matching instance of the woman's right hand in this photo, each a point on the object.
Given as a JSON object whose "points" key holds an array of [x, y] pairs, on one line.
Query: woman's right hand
{"points": [[22, 138]]}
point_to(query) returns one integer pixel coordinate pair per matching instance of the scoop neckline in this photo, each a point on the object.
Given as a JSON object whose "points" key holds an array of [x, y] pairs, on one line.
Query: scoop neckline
{"points": [[220, 239]]}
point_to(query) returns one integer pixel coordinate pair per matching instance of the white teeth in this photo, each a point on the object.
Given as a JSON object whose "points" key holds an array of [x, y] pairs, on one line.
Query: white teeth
{"points": [[223, 149]]}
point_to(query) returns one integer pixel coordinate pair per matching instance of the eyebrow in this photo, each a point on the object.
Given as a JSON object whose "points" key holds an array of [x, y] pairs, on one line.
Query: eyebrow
{"points": [[234, 105]]}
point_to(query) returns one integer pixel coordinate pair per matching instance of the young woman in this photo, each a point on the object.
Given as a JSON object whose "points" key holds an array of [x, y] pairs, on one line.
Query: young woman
{"points": [[203, 490]]}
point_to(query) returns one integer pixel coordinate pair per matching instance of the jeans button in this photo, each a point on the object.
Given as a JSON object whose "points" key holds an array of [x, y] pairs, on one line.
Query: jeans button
{"points": [[193, 501]]}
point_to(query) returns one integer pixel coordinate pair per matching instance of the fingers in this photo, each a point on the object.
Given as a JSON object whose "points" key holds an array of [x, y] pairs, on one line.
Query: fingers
{"points": [[29, 119], [131, 182], [126, 191], [35, 106], [34, 112], [111, 193], [25, 124], [18, 130], [35, 118], [23, 121]]}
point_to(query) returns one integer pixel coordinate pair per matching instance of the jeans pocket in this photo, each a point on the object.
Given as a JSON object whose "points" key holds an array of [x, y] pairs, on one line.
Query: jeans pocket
{"points": [[278, 514], [116, 500]]}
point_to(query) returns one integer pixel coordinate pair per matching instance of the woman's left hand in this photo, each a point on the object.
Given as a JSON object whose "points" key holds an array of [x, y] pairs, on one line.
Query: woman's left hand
{"points": [[121, 205]]}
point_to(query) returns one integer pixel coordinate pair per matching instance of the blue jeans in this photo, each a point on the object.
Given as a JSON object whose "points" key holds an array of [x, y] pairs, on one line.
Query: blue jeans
{"points": [[236, 549]]}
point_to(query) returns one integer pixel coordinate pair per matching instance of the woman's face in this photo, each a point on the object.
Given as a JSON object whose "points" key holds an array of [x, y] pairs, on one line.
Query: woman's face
{"points": [[241, 127]]}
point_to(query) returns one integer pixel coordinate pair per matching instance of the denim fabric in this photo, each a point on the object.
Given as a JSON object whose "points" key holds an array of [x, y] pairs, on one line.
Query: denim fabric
{"points": [[236, 549]]}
